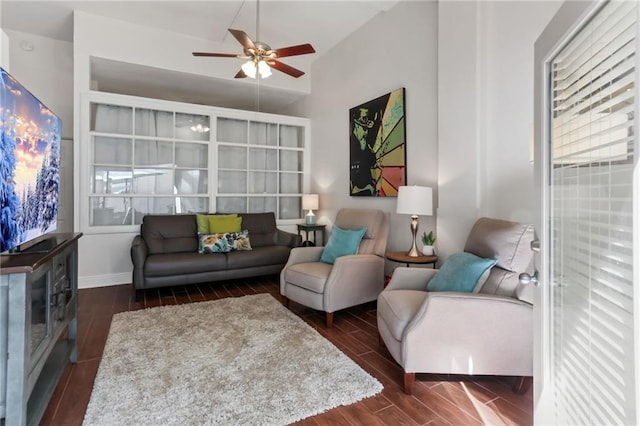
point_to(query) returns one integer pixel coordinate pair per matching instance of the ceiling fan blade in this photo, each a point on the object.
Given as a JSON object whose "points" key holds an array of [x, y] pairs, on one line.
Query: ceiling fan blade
{"points": [[244, 39], [240, 74], [287, 69], [217, 55], [301, 49]]}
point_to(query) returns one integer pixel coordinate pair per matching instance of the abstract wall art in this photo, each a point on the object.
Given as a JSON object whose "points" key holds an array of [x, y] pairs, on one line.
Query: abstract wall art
{"points": [[377, 146]]}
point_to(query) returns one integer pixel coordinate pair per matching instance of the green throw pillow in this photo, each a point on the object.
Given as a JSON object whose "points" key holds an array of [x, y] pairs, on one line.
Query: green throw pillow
{"points": [[219, 224], [341, 243], [203, 221], [461, 272]]}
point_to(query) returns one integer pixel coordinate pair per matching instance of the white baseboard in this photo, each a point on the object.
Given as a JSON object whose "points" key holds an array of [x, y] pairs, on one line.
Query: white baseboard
{"points": [[104, 280]]}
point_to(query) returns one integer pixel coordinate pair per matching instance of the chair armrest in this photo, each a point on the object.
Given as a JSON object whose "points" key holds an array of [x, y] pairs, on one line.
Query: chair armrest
{"points": [[304, 255], [288, 239], [138, 257], [470, 333], [300, 255], [354, 279], [404, 278]]}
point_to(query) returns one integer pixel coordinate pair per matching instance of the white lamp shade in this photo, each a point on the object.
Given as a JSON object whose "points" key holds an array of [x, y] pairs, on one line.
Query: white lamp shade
{"points": [[415, 200], [264, 69], [249, 69], [310, 202]]}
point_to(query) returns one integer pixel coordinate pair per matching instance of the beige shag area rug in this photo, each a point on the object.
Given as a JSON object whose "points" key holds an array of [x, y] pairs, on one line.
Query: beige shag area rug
{"points": [[243, 361]]}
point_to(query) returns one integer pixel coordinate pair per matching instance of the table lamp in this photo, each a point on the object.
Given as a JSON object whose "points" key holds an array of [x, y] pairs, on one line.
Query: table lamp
{"points": [[310, 202], [414, 200]]}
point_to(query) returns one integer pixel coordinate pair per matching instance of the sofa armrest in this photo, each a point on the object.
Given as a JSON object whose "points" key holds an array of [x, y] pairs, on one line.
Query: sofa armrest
{"points": [[405, 278], [138, 257], [354, 279], [470, 333], [288, 239]]}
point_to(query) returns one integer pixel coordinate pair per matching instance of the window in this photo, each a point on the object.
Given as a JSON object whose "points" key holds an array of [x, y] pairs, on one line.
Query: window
{"points": [[146, 161], [157, 157], [260, 167]]}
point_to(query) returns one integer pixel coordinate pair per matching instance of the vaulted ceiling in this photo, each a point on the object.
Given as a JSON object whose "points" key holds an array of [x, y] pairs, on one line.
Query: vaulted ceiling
{"points": [[323, 23]]}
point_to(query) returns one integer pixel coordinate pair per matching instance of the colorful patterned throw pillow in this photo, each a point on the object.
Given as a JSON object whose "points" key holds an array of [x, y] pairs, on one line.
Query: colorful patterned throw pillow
{"points": [[224, 243]]}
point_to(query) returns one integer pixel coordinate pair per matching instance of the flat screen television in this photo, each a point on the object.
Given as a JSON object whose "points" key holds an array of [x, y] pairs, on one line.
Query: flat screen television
{"points": [[29, 167]]}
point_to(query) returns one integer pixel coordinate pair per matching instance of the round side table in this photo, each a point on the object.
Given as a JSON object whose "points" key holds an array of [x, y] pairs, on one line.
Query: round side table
{"points": [[402, 257]]}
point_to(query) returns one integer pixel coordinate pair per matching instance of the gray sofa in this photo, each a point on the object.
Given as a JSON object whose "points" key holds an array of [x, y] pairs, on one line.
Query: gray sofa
{"points": [[166, 252]]}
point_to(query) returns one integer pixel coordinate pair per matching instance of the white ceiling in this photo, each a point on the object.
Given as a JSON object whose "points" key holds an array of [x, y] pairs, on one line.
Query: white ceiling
{"points": [[323, 23]]}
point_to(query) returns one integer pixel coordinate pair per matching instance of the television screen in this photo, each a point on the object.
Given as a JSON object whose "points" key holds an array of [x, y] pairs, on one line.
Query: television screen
{"points": [[29, 165]]}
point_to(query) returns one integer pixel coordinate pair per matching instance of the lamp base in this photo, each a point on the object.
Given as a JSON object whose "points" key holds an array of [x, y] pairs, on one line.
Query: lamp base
{"points": [[413, 251], [310, 218]]}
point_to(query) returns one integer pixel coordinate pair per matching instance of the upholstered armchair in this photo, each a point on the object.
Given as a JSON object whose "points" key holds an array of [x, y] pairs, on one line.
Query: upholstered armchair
{"points": [[351, 280], [486, 331]]}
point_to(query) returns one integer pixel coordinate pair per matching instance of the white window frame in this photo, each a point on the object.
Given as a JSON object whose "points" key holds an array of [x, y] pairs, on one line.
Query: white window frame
{"points": [[83, 192]]}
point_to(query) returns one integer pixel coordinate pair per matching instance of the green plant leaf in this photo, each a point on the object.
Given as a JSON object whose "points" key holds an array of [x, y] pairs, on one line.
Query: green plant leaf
{"points": [[428, 239]]}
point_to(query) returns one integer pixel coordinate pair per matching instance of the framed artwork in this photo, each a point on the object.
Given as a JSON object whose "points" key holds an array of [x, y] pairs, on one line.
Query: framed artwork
{"points": [[377, 146]]}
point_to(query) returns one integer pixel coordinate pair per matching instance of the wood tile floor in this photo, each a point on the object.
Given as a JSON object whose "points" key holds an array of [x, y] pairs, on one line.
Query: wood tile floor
{"points": [[437, 400]]}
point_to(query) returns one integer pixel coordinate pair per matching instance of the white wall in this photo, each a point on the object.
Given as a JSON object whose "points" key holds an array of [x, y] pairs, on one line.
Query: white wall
{"points": [[506, 71], [457, 124], [46, 71], [4, 51], [485, 114], [4, 46], [396, 49]]}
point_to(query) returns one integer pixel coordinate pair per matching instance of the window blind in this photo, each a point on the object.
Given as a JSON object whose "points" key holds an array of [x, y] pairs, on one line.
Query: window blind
{"points": [[593, 157]]}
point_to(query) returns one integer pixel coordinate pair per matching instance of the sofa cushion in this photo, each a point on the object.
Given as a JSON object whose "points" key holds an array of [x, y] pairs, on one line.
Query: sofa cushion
{"points": [[258, 256], [170, 233], [398, 307], [262, 228], [159, 265]]}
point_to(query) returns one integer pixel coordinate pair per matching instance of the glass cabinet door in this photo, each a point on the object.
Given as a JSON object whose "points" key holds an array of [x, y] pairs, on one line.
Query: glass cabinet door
{"points": [[40, 327]]}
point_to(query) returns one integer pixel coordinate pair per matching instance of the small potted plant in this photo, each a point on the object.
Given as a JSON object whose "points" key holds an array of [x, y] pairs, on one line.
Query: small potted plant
{"points": [[428, 240]]}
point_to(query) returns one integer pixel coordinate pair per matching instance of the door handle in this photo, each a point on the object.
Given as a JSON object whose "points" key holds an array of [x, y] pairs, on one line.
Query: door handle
{"points": [[529, 279], [535, 246]]}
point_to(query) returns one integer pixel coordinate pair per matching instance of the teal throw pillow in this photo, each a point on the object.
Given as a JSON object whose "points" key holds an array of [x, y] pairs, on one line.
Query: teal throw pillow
{"points": [[341, 243], [461, 272]]}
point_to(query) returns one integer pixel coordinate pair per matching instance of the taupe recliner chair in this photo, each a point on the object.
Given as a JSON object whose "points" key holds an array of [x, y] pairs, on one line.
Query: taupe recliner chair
{"points": [[351, 280], [488, 331]]}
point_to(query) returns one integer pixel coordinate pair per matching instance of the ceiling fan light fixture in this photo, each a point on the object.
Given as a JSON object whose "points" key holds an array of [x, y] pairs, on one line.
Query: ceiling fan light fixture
{"points": [[249, 68], [199, 128], [261, 56], [264, 69]]}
